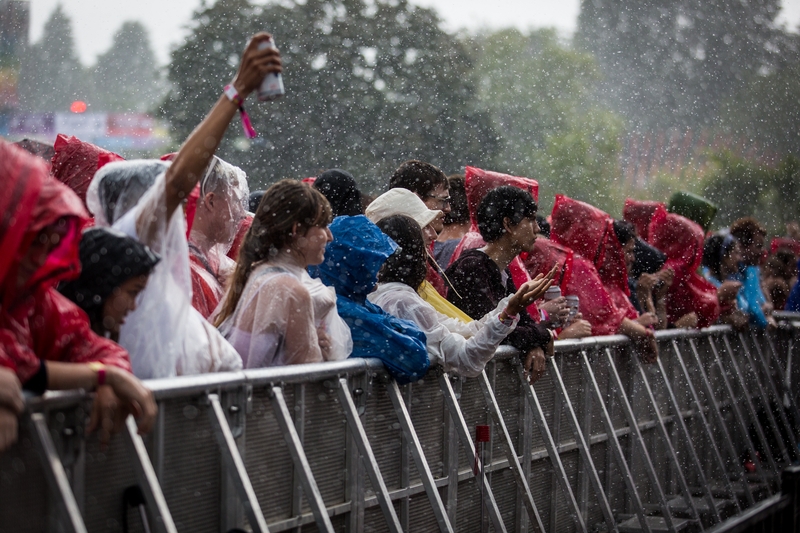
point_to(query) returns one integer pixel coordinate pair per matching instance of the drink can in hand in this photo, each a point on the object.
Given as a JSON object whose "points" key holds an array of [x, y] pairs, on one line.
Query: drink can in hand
{"points": [[272, 86], [552, 293], [573, 303]]}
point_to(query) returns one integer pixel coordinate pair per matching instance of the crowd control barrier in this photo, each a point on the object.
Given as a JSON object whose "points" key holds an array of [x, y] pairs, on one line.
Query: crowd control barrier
{"points": [[695, 442]]}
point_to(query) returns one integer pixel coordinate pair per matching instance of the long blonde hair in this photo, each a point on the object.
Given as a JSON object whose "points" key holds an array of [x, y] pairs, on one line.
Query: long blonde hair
{"points": [[284, 205]]}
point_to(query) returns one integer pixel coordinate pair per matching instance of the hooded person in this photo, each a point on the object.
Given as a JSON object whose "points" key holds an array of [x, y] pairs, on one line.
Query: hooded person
{"points": [[40, 329], [640, 213], [114, 270], [351, 265], [219, 208], [165, 335], [682, 241], [341, 190], [74, 162]]}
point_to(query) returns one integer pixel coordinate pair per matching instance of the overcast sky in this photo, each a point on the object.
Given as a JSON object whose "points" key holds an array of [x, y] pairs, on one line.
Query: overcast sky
{"points": [[96, 21]]}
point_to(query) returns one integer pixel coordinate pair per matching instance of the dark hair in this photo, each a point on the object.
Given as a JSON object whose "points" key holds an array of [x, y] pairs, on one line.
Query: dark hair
{"points": [[253, 200], [341, 190], [418, 177], [459, 210], [285, 204], [625, 231], [108, 258], [407, 264], [544, 226], [745, 229], [715, 249], [501, 203]]}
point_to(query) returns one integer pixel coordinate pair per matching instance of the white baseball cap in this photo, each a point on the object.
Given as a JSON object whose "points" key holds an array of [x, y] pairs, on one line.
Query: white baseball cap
{"points": [[401, 202]]}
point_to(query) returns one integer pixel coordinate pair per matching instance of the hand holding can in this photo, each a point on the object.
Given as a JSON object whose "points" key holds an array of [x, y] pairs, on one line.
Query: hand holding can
{"points": [[272, 86]]}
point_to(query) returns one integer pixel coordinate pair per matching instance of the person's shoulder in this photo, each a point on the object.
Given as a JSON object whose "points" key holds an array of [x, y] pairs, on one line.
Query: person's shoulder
{"points": [[468, 261]]}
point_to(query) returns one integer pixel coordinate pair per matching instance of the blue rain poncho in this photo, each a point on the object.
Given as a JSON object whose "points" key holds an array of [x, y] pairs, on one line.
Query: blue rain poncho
{"points": [[351, 265]]}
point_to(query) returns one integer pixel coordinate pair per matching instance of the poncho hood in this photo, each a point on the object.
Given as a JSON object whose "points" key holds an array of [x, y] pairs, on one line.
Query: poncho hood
{"points": [[478, 182], [75, 162], [354, 256], [32, 201], [640, 213]]}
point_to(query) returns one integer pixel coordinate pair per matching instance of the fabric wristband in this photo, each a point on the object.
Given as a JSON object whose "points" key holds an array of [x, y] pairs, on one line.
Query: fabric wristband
{"points": [[233, 95], [100, 370]]}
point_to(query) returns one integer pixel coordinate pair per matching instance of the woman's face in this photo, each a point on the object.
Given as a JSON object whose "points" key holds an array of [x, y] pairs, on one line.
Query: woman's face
{"points": [[121, 302], [429, 233], [731, 261], [43, 244], [311, 246]]}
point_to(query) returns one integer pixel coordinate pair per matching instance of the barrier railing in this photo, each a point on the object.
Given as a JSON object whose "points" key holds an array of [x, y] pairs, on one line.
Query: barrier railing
{"points": [[602, 442]]}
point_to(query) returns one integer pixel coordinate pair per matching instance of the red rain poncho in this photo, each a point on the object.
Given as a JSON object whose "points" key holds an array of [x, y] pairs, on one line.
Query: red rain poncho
{"points": [[37, 322], [640, 213], [682, 241], [478, 183], [577, 276], [590, 233], [75, 162]]}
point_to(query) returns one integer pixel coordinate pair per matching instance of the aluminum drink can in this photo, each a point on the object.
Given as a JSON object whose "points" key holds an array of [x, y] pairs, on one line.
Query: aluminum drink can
{"points": [[272, 86], [552, 293], [573, 302]]}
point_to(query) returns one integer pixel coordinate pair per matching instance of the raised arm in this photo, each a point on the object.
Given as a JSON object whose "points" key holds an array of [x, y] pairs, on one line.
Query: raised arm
{"points": [[194, 156]]}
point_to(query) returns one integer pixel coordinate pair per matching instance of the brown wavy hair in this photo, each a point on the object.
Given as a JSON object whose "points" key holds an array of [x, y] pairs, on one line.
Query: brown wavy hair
{"points": [[284, 204]]}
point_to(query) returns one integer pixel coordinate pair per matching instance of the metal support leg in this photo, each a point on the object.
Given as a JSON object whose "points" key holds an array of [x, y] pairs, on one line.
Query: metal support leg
{"points": [[419, 457], [633, 424], [736, 471], [469, 447], [767, 408], [741, 379], [235, 465], [511, 452], [300, 460], [783, 377], [583, 446], [667, 441], [619, 454], [760, 360], [148, 482], [550, 446], [371, 464], [56, 476], [737, 411]]}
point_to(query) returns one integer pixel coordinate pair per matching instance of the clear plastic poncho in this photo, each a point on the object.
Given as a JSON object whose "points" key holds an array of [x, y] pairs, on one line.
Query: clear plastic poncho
{"points": [[165, 335]]}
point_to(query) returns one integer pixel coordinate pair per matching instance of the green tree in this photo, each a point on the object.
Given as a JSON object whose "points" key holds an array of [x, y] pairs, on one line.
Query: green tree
{"points": [[741, 188], [126, 76], [672, 63], [51, 76], [538, 94], [368, 85]]}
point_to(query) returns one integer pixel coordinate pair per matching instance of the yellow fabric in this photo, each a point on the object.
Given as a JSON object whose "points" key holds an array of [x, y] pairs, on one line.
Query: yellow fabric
{"points": [[432, 296]]}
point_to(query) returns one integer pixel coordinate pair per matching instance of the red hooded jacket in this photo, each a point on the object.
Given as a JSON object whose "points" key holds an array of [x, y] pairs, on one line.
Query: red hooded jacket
{"points": [[682, 241], [36, 322], [75, 162], [590, 233], [640, 213]]}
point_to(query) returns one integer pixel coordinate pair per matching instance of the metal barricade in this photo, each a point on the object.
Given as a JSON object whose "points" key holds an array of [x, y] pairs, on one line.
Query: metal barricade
{"points": [[600, 443]]}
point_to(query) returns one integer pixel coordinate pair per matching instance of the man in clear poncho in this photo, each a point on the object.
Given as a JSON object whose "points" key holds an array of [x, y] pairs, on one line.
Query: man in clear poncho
{"points": [[165, 335]]}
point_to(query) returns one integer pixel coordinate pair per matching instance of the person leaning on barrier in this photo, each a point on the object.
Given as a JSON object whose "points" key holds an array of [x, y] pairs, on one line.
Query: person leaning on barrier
{"points": [[721, 257], [465, 352], [45, 339], [507, 222]]}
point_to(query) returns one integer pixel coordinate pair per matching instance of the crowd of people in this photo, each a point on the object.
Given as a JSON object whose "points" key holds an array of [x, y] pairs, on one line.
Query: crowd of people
{"points": [[115, 271]]}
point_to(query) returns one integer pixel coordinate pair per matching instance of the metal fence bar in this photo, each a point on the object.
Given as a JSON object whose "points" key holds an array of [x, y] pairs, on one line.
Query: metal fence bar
{"points": [[740, 377], [419, 458], [760, 359], [633, 424], [148, 482], [56, 476], [583, 446], [371, 464], [737, 412], [302, 468], [235, 465], [511, 452], [469, 447], [662, 427], [706, 427], [783, 378], [550, 445], [714, 408], [619, 454]]}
